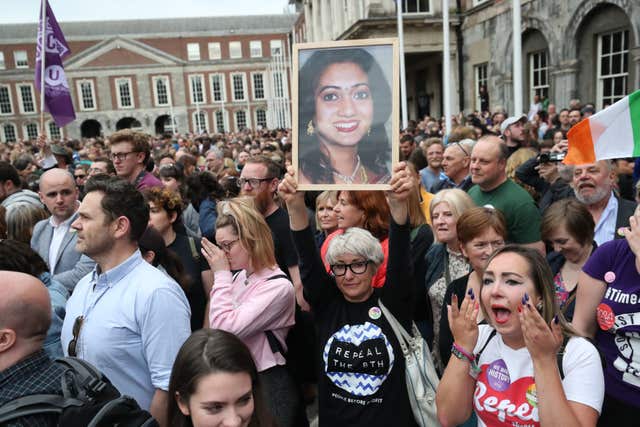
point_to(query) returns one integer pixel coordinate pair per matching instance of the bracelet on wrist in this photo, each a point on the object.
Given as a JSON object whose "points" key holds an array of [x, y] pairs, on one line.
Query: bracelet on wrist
{"points": [[463, 355]]}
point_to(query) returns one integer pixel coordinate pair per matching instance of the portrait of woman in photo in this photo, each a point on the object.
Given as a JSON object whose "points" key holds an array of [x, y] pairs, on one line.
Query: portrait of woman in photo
{"points": [[345, 102]]}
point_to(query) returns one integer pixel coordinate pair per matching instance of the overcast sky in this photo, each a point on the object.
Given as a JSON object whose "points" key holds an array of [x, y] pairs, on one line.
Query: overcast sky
{"points": [[19, 11]]}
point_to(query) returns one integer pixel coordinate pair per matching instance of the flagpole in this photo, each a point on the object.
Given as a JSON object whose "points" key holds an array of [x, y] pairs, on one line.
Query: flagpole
{"points": [[403, 79], [43, 55], [446, 64], [517, 59]]}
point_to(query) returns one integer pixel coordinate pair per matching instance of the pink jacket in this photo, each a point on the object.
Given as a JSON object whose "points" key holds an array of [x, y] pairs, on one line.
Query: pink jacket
{"points": [[247, 307]]}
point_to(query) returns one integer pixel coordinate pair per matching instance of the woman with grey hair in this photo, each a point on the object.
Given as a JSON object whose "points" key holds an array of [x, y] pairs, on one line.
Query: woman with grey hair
{"points": [[362, 380]]}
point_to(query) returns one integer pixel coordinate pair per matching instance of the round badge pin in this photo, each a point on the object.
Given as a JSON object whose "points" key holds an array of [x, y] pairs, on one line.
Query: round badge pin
{"points": [[605, 317], [609, 277], [375, 313]]}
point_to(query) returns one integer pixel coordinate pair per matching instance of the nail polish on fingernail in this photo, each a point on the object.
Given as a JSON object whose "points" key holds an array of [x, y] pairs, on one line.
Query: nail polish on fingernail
{"points": [[473, 297], [470, 292], [524, 299], [519, 309], [526, 296], [555, 319]]}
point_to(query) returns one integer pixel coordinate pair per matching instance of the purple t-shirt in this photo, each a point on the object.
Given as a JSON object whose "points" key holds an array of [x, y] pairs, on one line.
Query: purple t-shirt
{"points": [[618, 316], [147, 180]]}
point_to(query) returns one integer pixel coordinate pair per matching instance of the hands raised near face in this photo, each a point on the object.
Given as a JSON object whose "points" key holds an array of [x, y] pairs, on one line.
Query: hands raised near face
{"points": [[542, 340], [215, 256], [463, 321]]}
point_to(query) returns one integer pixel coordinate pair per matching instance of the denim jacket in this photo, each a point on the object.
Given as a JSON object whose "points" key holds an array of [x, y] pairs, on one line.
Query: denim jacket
{"points": [[59, 295]]}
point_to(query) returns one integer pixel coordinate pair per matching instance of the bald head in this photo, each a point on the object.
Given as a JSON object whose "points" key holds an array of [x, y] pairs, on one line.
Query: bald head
{"points": [[488, 162], [59, 193], [25, 306]]}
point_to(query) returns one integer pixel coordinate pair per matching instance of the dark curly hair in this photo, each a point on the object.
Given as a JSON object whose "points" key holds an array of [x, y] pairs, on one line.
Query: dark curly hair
{"points": [[374, 147]]}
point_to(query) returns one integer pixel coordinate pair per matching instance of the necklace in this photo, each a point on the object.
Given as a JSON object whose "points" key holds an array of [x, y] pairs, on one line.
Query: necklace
{"points": [[349, 179]]}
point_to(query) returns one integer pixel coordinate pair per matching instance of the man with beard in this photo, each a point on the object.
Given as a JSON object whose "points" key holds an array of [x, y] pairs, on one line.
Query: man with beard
{"points": [[433, 151], [259, 179], [513, 132], [593, 184]]}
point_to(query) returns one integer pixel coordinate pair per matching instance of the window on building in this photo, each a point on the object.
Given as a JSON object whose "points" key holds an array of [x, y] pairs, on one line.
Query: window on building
{"points": [[219, 116], [258, 86], [27, 104], [613, 67], [477, 2], [21, 59], [9, 132], [214, 50], [5, 100], [538, 74], [125, 93], [217, 88], [193, 51], [255, 47], [276, 47], [416, 6], [261, 118], [54, 131], [241, 120], [238, 87], [235, 50], [2, 65], [87, 95], [31, 130], [200, 122], [277, 85], [480, 72], [161, 90], [196, 84]]}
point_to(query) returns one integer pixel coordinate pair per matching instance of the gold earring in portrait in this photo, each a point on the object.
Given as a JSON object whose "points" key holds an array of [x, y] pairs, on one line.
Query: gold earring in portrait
{"points": [[310, 128]]}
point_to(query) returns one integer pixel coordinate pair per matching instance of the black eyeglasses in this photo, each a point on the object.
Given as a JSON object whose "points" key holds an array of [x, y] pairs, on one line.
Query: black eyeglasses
{"points": [[357, 267], [253, 182], [77, 325], [462, 148], [121, 157]]}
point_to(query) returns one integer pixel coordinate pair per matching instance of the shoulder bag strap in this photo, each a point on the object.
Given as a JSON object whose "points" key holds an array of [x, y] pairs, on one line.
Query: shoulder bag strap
{"points": [[36, 404], [274, 343], [486, 343], [194, 251]]}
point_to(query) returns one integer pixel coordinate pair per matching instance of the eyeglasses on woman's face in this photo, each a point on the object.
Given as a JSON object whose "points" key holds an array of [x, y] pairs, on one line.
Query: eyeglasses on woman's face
{"points": [[227, 246], [357, 267]]}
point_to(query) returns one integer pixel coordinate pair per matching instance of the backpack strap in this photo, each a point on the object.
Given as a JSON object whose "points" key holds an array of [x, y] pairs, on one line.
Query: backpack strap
{"points": [[560, 356], [486, 343], [87, 382], [36, 404], [275, 344], [194, 250]]}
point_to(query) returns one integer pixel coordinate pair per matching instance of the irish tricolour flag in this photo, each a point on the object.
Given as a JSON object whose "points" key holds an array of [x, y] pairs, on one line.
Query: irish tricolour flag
{"points": [[610, 134]]}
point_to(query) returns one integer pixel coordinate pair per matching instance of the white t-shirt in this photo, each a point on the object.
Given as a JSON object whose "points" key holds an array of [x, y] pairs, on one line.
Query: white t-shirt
{"points": [[505, 393]]}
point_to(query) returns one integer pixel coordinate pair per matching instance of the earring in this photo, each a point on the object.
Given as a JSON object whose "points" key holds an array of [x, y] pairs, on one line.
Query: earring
{"points": [[539, 306], [310, 128]]}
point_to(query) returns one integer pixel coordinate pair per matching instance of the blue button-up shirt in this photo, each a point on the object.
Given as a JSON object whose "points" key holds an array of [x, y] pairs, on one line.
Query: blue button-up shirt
{"points": [[606, 227], [135, 321]]}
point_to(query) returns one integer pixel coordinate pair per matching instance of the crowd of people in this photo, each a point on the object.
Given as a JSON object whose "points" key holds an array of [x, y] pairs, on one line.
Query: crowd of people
{"points": [[194, 274]]}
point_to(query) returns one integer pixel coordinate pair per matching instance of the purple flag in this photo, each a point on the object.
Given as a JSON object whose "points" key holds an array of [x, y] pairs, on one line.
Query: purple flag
{"points": [[57, 98]]}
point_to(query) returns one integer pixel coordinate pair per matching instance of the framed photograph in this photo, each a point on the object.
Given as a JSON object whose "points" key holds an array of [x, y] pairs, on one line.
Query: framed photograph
{"points": [[345, 114]]}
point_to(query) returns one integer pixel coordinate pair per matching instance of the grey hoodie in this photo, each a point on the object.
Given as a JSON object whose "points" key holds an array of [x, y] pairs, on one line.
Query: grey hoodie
{"points": [[25, 196]]}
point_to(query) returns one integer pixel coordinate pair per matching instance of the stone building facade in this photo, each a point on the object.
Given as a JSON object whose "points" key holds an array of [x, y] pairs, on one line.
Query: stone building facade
{"points": [[210, 74], [585, 49]]}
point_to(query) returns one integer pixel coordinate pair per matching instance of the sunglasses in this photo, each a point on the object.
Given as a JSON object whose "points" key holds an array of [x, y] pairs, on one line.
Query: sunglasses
{"points": [[77, 325]]}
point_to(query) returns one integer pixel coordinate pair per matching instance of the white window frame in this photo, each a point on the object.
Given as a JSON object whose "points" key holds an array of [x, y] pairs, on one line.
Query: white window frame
{"points": [[253, 85], [255, 48], [2, 63], [193, 51], [541, 70], [215, 50], [233, 46], [25, 128], [194, 120], [19, 87], [244, 87], [405, 4], [600, 99], [477, 2], [275, 44], [4, 135], [8, 87], [156, 95], [223, 91], [246, 120], [225, 121], [79, 84], [191, 93], [50, 134], [285, 87], [117, 83], [256, 121], [19, 61], [480, 73]]}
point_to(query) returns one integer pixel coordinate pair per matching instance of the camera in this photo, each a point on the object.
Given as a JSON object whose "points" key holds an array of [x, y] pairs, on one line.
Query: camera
{"points": [[551, 157]]}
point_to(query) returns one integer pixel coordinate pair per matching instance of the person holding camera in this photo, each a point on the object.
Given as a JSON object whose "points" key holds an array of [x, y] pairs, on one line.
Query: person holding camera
{"points": [[548, 176]]}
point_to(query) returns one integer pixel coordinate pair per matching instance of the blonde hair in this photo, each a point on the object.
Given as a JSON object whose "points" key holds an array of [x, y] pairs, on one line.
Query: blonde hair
{"points": [[458, 201], [329, 195], [249, 225], [21, 217]]}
